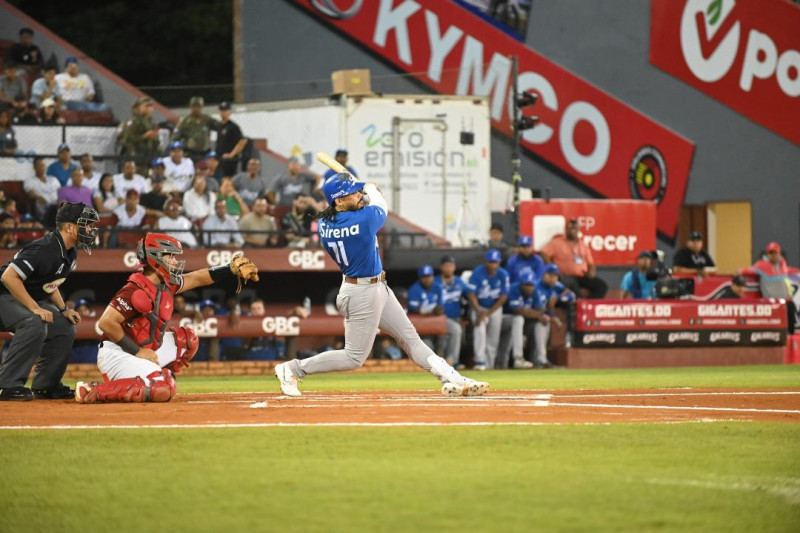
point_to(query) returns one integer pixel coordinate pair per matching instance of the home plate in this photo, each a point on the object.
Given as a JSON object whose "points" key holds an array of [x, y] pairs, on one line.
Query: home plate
{"points": [[258, 405]]}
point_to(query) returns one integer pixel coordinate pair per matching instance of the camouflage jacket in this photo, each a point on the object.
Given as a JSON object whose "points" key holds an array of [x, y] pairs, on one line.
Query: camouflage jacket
{"points": [[195, 132]]}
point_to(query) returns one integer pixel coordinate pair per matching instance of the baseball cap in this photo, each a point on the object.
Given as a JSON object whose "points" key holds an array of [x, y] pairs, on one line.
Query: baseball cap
{"points": [[207, 303], [70, 59], [47, 102], [341, 151], [175, 145], [224, 106], [552, 269], [197, 100], [739, 280], [212, 155], [774, 247], [645, 253], [425, 270], [132, 192], [340, 185], [26, 217], [71, 212], [695, 236], [525, 240], [62, 147], [493, 256], [142, 100], [82, 301], [527, 278], [447, 259], [201, 165], [157, 162]]}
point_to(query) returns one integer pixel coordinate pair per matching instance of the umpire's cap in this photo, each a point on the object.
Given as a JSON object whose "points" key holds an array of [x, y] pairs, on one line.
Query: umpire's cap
{"points": [[69, 212], [340, 185]]}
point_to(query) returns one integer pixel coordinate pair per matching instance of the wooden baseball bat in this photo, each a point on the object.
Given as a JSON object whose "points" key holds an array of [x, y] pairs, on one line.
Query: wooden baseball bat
{"points": [[330, 162]]}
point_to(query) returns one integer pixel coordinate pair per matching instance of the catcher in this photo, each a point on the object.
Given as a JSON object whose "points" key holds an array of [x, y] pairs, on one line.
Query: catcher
{"points": [[138, 354]]}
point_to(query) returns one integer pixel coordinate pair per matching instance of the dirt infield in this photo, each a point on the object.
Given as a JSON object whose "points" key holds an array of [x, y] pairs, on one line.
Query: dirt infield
{"points": [[397, 408]]}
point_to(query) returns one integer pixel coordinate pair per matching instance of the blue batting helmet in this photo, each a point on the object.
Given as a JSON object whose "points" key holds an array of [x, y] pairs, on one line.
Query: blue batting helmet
{"points": [[340, 185]]}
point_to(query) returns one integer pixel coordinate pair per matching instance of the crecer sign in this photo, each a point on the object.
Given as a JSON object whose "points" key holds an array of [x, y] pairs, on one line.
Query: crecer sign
{"points": [[598, 140], [743, 53], [614, 230]]}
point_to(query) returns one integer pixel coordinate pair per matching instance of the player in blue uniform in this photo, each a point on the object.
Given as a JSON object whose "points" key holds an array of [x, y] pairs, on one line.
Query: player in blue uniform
{"points": [[526, 260], [341, 157], [454, 289], [488, 292], [425, 297], [548, 291], [348, 231], [519, 315]]}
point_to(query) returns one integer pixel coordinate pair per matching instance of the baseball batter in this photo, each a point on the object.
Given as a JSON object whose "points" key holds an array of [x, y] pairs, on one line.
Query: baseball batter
{"points": [[136, 357], [348, 230]]}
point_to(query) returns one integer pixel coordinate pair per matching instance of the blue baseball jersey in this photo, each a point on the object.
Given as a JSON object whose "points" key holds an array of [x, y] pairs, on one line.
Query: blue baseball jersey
{"points": [[517, 300], [517, 264], [646, 289], [422, 300], [544, 292], [488, 289], [350, 238], [452, 291]]}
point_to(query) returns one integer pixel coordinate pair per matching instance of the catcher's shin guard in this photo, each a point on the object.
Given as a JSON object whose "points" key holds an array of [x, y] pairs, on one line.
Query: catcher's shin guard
{"points": [[130, 390], [162, 386]]}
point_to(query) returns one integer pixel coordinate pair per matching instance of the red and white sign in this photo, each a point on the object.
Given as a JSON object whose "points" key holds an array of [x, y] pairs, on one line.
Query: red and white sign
{"points": [[601, 142], [614, 230], [744, 53]]}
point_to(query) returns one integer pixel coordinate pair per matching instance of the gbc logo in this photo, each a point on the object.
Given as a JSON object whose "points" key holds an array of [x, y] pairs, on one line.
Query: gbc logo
{"points": [[130, 260], [760, 60], [220, 257], [281, 325], [307, 259], [206, 328], [331, 8]]}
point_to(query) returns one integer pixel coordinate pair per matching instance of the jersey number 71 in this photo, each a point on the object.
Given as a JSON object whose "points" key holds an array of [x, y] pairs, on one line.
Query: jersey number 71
{"points": [[339, 255]]}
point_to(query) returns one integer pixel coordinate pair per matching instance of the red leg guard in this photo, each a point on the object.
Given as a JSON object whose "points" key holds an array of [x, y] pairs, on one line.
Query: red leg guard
{"points": [[162, 386], [120, 390]]}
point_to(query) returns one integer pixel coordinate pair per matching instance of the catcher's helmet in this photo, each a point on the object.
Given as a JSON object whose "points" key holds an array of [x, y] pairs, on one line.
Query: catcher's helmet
{"points": [[340, 185], [151, 250]]}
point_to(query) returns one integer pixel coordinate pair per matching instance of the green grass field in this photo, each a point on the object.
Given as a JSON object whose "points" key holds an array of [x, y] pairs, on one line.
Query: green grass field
{"points": [[721, 476]]}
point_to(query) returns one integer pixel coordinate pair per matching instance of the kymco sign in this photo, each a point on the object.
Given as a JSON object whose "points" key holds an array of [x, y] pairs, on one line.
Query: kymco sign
{"points": [[601, 142], [744, 53]]}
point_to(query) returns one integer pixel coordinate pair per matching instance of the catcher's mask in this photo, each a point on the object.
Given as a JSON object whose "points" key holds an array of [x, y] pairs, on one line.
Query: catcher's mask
{"points": [[151, 251], [82, 216]]}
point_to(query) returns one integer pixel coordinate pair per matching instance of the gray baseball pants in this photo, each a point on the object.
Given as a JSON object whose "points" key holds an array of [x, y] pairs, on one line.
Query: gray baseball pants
{"points": [[367, 307], [511, 341], [451, 341], [34, 340], [542, 335], [486, 337]]}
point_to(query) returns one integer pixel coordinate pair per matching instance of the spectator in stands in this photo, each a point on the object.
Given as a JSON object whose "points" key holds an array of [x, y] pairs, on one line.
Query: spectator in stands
{"points": [[773, 273], [8, 142], [28, 116], [26, 54], [198, 202], [139, 135], [341, 157], [48, 115], [453, 291], [75, 191], [296, 223], [130, 215], [236, 206], [42, 188], [692, 259], [91, 178], [214, 168], [128, 179], [29, 229], [178, 169], [8, 234], [155, 199], [62, 169], [230, 141], [259, 221], [519, 317], [733, 291], [175, 224], [194, 130], [497, 242], [488, 292], [636, 284], [262, 348], [426, 298], [575, 261], [46, 86], [9, 206], [202, 169], [13, 92], [524, 260], [293, 182], [77, 89], [548, 292], [251, 184], [106, 199], [221, 229]]}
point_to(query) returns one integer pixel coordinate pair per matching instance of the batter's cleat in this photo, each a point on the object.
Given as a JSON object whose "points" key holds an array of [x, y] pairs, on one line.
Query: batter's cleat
{"points": [[469, 387], [84, 392], [452, 389], [287, 380], [59, 392], [16, 394]]}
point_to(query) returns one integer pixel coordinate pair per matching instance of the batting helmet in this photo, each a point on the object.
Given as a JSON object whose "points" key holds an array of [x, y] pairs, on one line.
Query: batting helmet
{"points": [[340, 185], [151, 251]]}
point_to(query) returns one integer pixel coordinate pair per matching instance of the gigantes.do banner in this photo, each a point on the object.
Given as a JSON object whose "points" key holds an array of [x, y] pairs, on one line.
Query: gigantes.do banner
{"points": [[743, 53], [614, 230], [598, 140], [680, 323]]}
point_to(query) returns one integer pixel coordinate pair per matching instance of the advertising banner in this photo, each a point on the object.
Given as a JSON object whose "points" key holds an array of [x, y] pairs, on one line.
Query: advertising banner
{"points": [[743, 53], [614, 230], [599, 141]]}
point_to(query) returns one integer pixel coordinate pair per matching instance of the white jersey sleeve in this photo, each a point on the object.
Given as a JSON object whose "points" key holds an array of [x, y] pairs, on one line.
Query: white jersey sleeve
{"points": [[375, 197]]}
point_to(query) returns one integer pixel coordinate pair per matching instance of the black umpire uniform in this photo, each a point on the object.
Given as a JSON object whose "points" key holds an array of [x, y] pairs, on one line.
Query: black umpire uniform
{"points": [[43, 266]]}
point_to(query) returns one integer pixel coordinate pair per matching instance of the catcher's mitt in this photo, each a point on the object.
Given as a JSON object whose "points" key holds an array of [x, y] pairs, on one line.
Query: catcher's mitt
{"points": [[243, 269]]}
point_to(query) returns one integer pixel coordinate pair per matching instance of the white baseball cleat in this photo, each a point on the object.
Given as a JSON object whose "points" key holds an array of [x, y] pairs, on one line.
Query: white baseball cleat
{"points": [[287, 380], [470, 387]]}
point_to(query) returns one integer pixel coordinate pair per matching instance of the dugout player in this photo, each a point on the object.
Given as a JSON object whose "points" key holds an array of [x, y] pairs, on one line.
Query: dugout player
{"points": [[348, 231], [135, 321], [31, 306]]}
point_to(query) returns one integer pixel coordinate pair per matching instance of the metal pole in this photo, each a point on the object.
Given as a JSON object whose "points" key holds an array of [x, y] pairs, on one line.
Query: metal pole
{"points": [[516, 163], [396, 164], [444, 180]]}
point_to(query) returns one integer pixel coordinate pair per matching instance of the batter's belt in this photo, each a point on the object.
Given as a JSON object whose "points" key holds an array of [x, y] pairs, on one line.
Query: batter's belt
{"points": [[365, 281]]}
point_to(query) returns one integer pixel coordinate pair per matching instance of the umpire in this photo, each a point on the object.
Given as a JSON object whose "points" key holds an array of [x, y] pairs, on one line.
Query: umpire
{"points": [[32, 307]]}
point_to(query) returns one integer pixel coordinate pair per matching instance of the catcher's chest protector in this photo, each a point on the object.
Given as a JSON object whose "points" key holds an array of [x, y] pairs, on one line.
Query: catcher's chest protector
{"points": [[154, 303]]}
